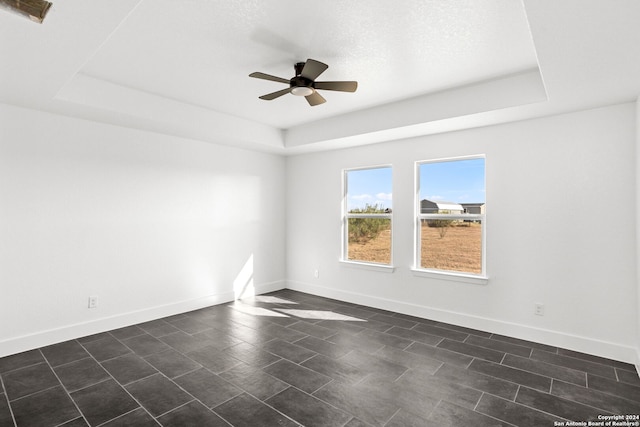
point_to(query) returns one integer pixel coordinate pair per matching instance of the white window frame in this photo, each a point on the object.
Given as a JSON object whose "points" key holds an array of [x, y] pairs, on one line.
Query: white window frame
{"points": [[345, 223], [478, 278]]}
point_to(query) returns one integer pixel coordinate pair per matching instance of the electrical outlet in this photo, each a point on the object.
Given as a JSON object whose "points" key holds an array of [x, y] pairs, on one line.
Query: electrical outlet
{"points": [[538, 309], [93, 301]]}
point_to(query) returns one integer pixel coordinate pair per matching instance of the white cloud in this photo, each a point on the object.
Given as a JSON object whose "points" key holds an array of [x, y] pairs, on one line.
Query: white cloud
{"points": [[384, 196], [361, 197], [382, 200]]}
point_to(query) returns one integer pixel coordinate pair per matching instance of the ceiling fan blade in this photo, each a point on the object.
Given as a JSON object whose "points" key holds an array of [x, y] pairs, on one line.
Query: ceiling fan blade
{"points": [[315, 98], [340, 86], [312, 69], [274, 95], [264, 76]]}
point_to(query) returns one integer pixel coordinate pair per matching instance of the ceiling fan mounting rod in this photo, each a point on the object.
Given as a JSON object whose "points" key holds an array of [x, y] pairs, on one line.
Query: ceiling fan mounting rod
{"points": [[298, 67]]}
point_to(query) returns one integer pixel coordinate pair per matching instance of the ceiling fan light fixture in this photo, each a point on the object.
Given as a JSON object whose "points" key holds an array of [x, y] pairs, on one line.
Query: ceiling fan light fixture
{"points": [[301, 91]]}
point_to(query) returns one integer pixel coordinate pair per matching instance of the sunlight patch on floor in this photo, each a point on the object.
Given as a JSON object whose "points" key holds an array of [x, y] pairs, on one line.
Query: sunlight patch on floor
{"points": [[319, 314], [256, 311], [271, 300]]}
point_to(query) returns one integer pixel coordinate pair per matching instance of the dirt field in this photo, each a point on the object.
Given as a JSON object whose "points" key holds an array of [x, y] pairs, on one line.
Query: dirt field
{"points": [[376, 250], [459, 250]]}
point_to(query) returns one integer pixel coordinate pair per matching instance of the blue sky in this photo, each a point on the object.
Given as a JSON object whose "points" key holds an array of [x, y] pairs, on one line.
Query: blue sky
{"points": [[460, 181], [369, 186]]}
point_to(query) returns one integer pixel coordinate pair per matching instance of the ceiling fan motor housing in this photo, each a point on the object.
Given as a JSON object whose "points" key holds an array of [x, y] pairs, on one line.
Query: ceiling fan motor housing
{"points": [[299, 81], [301, 86]]}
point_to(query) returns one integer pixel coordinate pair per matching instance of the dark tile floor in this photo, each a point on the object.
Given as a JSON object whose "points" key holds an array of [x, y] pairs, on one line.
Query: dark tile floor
{"points": [[288, 358]]}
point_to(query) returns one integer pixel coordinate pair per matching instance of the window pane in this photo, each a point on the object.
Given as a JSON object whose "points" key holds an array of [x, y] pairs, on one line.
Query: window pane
{"points": [[368, 191], [368, 188], [451, 245], [369, 240], [450, 186]]}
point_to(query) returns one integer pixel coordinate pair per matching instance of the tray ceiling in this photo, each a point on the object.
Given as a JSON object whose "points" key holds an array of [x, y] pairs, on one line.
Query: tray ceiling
{"points": [[423, 66], [200, 52]]}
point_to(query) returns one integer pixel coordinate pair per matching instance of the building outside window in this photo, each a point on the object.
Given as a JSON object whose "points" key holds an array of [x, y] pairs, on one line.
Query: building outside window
{"points": [[450, 216], [367, 218]]}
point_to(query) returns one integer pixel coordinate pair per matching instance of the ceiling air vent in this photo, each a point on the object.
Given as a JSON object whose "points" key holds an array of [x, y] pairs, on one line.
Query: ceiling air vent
{"points": [[36, 10]]}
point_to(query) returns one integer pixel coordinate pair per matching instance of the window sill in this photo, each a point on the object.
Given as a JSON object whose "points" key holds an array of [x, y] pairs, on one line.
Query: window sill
{"points": [[451, 276], [368, 266]]}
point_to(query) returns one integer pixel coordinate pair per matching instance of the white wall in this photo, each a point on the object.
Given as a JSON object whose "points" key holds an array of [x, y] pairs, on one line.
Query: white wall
{"points": [[156, 225], [638, 229], [151, 224], [560, 220]]}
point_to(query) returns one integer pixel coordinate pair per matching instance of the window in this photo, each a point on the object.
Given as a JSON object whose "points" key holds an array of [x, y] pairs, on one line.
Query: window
{"points": [[367, 215], [450, 219]]}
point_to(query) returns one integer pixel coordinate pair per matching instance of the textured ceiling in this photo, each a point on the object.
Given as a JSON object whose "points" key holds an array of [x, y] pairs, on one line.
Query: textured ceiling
{"points": [[201, 51], [423, 66]]}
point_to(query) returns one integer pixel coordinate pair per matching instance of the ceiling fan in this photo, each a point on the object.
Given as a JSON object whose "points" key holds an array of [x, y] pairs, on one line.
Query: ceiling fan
{"points": [[304, 84]]}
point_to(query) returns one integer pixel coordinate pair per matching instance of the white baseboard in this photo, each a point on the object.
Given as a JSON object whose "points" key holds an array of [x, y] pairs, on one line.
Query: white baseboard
{"points": [[270, 287], [544, 336], [68, 332]]}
